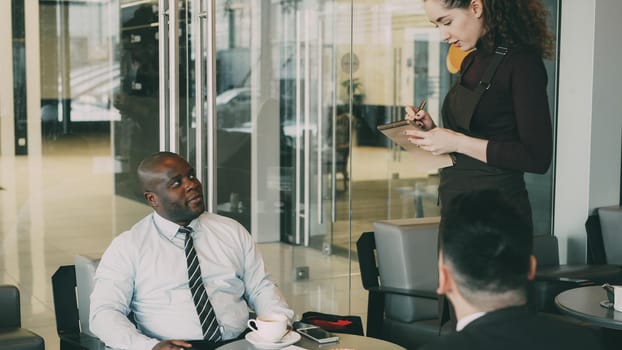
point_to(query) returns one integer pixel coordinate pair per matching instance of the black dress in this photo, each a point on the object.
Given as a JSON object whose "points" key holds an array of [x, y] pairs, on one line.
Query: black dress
{"points": [[511, 112]]}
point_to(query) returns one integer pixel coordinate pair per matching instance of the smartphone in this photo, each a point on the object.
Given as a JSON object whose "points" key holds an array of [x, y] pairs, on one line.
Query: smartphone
{"points": [[316, 333]]}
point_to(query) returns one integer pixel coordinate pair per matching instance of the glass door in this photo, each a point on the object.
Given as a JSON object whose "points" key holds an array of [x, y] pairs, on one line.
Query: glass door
{"points": [[274, 68], [276, 147], [395, 60], [156, 94], [136, 131], [157, 90], [420, 74]]}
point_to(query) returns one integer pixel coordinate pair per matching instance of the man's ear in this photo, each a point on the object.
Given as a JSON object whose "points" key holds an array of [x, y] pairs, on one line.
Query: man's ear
{"points": [[477, 7], [445, 280], [531, 275], [151, 199]]}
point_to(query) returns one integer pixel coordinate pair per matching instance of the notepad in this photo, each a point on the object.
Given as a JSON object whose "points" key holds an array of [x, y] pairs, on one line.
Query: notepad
{"points": [[424, 161]]}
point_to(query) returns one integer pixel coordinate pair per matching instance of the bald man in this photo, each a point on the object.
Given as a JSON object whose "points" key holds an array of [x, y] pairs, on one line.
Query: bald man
{"points": [[147, 269]]}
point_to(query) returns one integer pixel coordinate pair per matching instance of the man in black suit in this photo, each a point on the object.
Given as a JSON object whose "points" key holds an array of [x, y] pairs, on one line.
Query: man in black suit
{"points": [[485, 263]]}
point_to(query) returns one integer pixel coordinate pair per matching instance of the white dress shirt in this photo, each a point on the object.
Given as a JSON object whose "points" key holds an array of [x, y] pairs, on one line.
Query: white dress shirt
{"points": [[468, 319], [144, 270]]}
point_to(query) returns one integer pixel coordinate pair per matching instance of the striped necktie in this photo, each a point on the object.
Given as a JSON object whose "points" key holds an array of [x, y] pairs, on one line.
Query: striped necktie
{"points": [[209, 325]]}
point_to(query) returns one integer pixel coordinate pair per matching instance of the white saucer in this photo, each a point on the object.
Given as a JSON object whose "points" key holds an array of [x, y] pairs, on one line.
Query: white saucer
{"points": [[606, 304], [259, 343]]}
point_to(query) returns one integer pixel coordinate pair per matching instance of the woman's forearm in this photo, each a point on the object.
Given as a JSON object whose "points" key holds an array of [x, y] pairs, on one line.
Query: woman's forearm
{"points": [[473, 147]]}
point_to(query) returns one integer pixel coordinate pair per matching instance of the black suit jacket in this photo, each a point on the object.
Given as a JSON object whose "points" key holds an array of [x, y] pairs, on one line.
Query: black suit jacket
{"points": [[518, 328]]}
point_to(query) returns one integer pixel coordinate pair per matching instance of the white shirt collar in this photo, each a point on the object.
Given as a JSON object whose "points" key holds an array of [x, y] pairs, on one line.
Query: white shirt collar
{"points": [[468, 319], [167, 227]]}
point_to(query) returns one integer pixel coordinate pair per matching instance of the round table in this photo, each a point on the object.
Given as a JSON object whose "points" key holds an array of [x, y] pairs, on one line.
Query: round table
{"points": [[346, 342], [584, 303]]}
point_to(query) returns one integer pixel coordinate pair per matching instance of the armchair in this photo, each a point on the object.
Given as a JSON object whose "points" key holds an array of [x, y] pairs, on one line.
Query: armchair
{"points": [[71, 311], [553, 278], [610, 219], [398, 268], [12, 335]]}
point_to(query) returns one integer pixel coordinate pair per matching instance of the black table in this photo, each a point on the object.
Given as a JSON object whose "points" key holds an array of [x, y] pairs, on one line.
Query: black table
{"points": [[346, 341], [584, 303]]}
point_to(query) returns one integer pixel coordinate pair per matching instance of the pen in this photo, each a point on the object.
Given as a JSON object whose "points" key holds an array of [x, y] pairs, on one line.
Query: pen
{"points": [[419, 123]]}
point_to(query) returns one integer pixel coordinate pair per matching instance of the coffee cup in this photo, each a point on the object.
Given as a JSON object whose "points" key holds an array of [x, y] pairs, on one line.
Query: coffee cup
{"points": [[617, 298], [270, 327]]}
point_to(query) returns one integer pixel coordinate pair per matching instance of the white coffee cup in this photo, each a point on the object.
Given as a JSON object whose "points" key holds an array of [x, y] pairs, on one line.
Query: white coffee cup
{"points": [[271, 327], [617, 298]]}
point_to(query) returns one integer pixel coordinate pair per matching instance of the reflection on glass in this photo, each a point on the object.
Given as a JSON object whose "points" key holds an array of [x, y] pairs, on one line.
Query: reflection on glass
{"points": [[284, 124], [137, 96], [403, 62], [79, 67], [294, 72], [275, 112]]}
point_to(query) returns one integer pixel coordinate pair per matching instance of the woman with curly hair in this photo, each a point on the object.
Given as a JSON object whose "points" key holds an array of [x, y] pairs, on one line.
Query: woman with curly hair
{"points": [[496, 119]]}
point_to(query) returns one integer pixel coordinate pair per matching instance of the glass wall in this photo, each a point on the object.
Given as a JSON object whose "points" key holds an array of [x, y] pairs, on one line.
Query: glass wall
{"points": [[402, 62], [135, 97], [299, 88], [541, 187], [278, 117]]}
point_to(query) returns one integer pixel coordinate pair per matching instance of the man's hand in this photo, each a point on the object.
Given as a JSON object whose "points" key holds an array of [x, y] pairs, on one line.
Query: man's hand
{"points": [[172, 345]]}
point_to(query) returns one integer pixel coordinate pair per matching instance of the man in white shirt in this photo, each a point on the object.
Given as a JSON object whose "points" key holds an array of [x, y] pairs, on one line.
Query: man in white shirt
{"points": [[484, 265], [145, 270]]}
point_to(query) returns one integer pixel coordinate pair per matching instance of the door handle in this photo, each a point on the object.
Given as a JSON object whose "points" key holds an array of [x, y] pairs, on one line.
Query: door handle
{"points": [[163, 73]]}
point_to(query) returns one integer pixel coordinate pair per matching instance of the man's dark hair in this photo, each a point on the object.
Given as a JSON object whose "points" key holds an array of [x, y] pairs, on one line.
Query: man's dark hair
{"points": [[487, 242]]}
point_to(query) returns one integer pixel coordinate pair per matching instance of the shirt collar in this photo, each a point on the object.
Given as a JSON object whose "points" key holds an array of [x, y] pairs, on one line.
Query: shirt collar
{"points": [[463, 322], [169, 228]]}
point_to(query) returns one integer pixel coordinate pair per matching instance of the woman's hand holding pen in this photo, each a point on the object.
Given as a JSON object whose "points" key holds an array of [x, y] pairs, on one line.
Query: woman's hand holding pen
{"points": [[430, 138], [441, 140], [420, 116]]}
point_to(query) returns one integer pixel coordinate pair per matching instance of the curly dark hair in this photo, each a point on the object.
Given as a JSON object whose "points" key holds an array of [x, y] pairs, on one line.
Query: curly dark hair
{"points": [[515, 23]]}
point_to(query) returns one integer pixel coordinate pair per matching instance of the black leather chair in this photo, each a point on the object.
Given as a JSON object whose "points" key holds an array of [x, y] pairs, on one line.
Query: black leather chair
{"points": [[71, 287], [67, 314], [604, 230], [12, 335], [553, 278], [398, 268]]}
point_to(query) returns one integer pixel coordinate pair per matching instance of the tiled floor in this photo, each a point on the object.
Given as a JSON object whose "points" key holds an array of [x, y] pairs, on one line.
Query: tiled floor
{"points": [[62, 204]]}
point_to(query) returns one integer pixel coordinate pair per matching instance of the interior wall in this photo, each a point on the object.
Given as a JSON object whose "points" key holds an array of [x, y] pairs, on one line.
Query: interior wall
{"points": [[589, 123], [606, 106]]}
